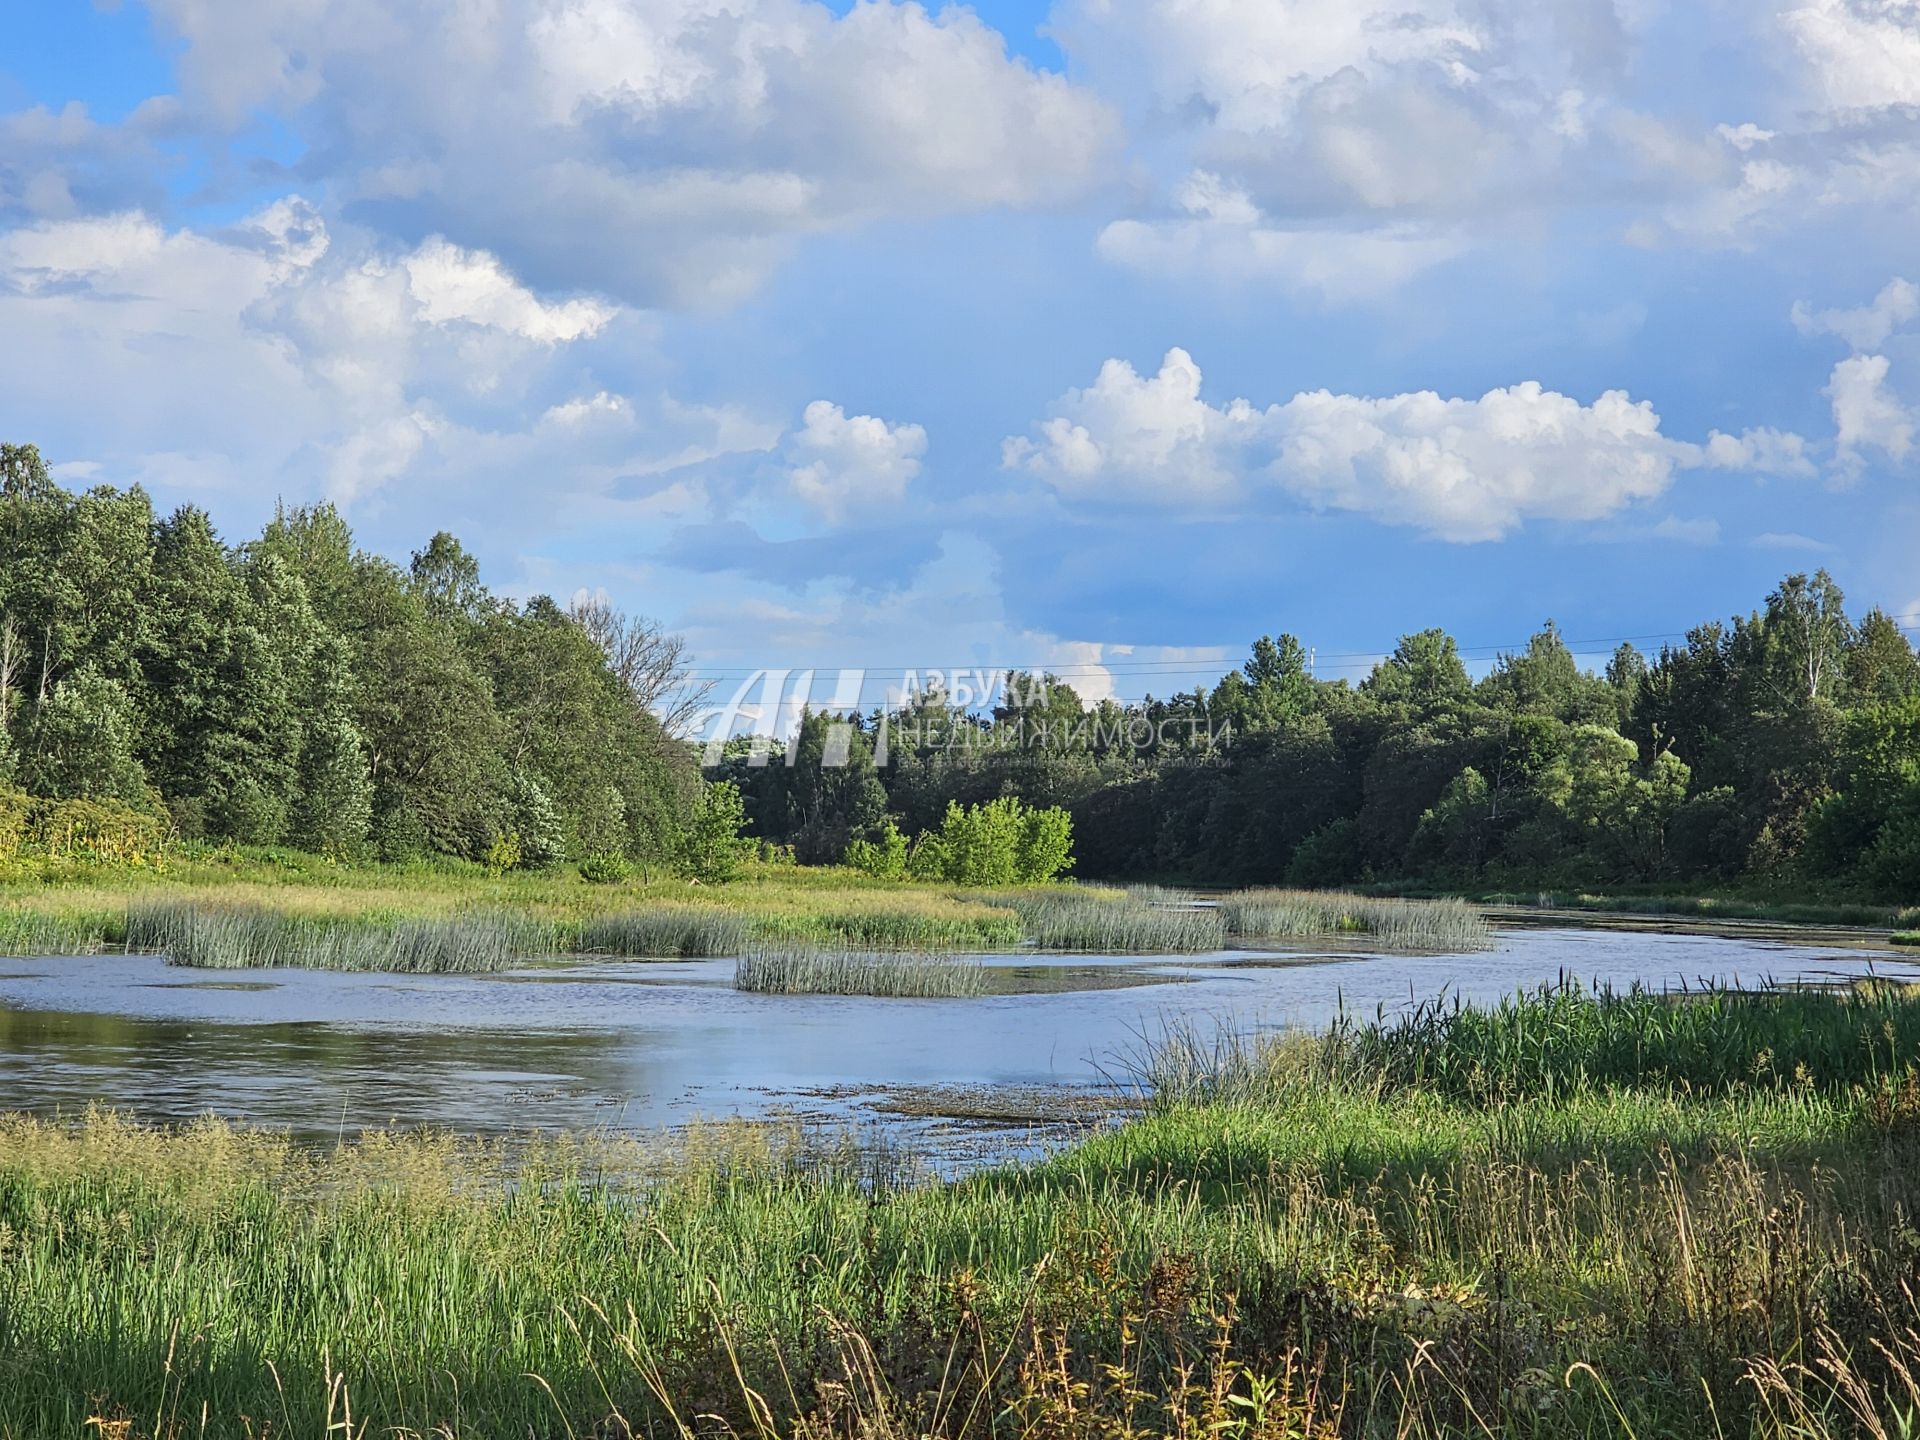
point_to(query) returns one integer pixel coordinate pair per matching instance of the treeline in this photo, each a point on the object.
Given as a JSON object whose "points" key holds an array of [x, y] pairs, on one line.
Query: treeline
{"points": [[1781, 746], [297, 690]]}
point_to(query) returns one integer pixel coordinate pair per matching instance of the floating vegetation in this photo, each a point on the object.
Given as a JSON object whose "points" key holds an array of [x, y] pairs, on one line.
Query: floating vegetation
{"points": [[1392, 924], [686, 931], [1098, 921], [233, 938], [804, 970]]}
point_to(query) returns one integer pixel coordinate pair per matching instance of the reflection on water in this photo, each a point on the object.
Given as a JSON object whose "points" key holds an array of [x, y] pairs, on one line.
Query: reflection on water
{"points": [[642, 1044]]}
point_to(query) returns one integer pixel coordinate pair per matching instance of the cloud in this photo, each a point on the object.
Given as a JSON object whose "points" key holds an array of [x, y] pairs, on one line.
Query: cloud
{"points": [[1866, 414], [1863, 54], [1222, 235], [272, 356], [1459, 469], [1358, 139], [664, 151], [1866, 327], [846, 464]]}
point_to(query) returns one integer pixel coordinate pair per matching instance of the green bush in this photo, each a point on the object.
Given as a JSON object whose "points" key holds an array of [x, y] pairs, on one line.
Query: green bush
{"points": [[999, 843], [712, 849], [605, 869], [884, 858], [14, 808], [95, 830]]}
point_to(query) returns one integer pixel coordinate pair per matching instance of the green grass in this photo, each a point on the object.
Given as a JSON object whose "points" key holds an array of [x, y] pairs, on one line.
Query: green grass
{"points": [[28, 932], [1446, 925], [803, 970], [223, 938], [686, 931], [1098, 921], [1607, 1261], [1906, 937], [1767, 908]]}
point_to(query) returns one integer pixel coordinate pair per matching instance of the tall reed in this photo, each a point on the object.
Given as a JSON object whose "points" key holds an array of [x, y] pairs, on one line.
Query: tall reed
{"points": [[29, 932], [1444, 925], [805, 970], [233, 937], [688, 931], [1090, 920]]}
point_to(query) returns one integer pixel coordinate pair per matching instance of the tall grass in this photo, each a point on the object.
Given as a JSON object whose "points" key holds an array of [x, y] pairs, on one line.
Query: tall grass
{"points": [[31, 932], [1090, 920], [1563, 1040], [688, 931], [221, 938], [1445, 925], [1332, 1264], [804, 970], [1711, 1040]]}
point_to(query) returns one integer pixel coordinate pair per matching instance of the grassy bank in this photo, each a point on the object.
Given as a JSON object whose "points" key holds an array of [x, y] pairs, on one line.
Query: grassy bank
{"points": [[1317, 1238], [231, 909], [1771, 908]]}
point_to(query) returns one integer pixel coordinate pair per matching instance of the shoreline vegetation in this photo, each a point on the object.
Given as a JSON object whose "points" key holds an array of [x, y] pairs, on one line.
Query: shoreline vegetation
{"points": [[1564, 1215], [284, 908]]}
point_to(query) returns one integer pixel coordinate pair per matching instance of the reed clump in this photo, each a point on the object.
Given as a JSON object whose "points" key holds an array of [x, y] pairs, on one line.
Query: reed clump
{"points": [[229, 937], [1442, 925], [809, 970], [33, 932], [685, 931], [1095, 920]]}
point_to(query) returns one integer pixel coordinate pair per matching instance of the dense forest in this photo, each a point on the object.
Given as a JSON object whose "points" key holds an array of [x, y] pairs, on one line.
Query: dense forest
{"points": [[1783, 746], [297, 690]]}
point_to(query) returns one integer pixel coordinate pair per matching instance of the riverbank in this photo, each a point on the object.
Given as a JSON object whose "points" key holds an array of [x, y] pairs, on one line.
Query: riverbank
{"points": [[1358, 1236], [236, 909]]}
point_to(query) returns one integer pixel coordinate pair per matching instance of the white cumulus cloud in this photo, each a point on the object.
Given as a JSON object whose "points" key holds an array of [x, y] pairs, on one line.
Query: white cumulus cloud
{"points": [[1866, 327], [664, 151], [1866, 414], [843, 464], [1463, 469]]}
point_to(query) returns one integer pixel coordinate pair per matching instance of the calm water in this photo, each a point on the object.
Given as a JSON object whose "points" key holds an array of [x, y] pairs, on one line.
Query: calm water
{"points": [[631, 1044]]}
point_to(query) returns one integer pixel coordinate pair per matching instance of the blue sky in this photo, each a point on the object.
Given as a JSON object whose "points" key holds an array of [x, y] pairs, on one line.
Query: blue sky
{"points": [[1107, 335]]}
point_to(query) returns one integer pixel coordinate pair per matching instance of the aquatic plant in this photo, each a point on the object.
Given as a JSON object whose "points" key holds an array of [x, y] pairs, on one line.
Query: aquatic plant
{"points": [[805, 970], [233, 937], [1391, 924], [1099, 921], [1906, 937], [33, 932], [689, 931]]}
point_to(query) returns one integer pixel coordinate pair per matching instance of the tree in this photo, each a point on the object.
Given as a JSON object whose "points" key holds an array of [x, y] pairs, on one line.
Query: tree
{"points": [[653, 666], [714, 849], [1808, 635], [1424, 672], [83, 743], [1880, 664]]}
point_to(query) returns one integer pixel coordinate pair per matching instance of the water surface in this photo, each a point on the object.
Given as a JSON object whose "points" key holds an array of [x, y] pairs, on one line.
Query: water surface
{"points": [[645, 1044]]}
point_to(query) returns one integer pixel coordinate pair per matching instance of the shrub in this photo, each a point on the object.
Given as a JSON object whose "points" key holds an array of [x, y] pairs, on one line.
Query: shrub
{"points": [[95, 830], [712, 849], [605, 869], [1001, 842], [884, 858], [14, 807]]}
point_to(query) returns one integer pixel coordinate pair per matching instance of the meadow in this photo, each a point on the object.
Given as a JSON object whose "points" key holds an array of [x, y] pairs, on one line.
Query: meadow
{"points": [[1458, 1222]]}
